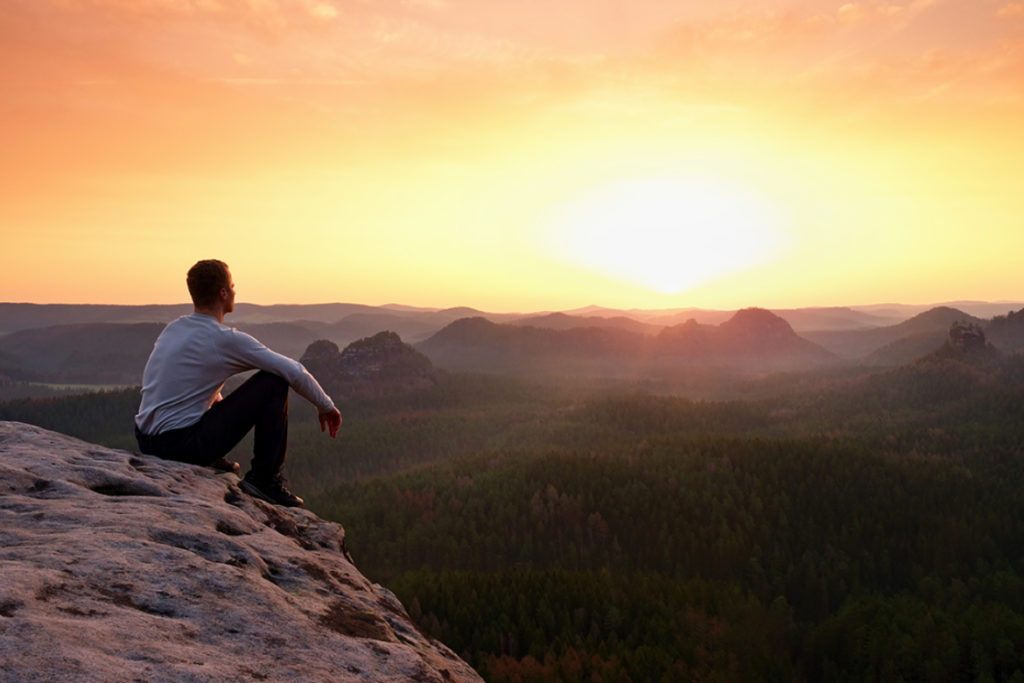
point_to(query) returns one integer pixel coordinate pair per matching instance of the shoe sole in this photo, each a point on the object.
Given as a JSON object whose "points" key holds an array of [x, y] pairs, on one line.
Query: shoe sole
{"points": [[256, 493]]}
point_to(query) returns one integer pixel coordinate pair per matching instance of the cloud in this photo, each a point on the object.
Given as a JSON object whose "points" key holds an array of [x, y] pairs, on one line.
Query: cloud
{"points": [[850, 52], [149, 7], [881, 12], [427, 4], [265, 13], [321, 11], [853, 12]]}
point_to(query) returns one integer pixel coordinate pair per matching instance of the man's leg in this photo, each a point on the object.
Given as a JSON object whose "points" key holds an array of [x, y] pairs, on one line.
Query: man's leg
{"points": [[260, 403]]}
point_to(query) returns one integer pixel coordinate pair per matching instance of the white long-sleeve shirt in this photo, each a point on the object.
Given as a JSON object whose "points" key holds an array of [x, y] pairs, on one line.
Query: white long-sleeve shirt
{"points": [[191, 360]]}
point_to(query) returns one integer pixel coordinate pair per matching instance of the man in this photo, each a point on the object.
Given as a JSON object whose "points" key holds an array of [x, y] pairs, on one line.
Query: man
{"points": [[183, 416]]}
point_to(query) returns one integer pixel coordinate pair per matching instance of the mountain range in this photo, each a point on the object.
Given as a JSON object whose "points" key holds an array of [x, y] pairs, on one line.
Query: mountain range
{"points": [[69, 344], [752, 339]]}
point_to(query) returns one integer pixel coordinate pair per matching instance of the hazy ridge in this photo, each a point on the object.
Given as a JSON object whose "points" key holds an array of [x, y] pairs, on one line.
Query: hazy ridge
{"points": [[561, 528], [108, 345]]}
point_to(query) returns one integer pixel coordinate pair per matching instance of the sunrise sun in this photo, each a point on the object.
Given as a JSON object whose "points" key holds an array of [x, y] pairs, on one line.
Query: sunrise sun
{"points": [[668, 234]]}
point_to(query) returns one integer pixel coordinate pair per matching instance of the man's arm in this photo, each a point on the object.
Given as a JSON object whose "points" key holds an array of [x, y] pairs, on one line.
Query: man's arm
{"points": [[246, 352]]}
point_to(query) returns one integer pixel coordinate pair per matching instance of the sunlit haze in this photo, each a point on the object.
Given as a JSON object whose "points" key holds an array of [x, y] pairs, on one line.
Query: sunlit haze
{"points": [[514, 156], [668, 234]]}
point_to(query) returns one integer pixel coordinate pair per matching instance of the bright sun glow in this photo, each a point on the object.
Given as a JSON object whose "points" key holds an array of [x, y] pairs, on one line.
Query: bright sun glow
{"points": [[667, 234]]}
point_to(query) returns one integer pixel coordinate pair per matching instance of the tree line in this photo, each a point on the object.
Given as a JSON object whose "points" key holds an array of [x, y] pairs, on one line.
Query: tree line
{"points": [[851, 526]]}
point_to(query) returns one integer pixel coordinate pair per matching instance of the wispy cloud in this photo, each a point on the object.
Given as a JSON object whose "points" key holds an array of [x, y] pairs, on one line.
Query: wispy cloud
{"points": [[428, 4], [585, 56], [274, 15], [1011, 10]]}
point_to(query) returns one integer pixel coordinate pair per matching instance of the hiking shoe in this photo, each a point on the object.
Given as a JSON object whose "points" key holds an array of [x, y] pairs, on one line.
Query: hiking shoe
{"points": [[272, 491], [225, 465]]}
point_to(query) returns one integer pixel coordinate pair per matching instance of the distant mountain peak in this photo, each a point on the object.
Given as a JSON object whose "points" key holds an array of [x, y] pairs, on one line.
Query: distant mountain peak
{"points": [[372, 366], [940, 316], [758, 321]]}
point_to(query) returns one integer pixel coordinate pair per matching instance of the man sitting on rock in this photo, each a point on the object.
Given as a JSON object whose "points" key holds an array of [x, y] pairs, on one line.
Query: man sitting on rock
{"points": [[183, 416]]}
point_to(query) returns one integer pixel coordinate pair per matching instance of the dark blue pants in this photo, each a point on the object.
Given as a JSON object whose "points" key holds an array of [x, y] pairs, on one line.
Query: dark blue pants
{"points": [[261, 403]]}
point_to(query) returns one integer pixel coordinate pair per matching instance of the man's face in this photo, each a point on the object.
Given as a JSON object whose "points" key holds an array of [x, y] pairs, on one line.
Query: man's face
{"points": [[229, 303]]}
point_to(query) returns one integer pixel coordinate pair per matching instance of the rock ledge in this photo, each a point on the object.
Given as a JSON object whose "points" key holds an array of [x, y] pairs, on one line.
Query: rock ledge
{"points": [[121, 567]]}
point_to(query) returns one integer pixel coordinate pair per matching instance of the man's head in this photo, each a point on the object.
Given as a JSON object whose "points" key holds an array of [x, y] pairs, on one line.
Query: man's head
{"points": [[207, 280]]}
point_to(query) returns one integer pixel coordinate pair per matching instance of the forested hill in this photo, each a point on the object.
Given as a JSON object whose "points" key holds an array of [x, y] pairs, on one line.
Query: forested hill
{"points": [[870, 529], [752, 339], [99, 353], [896, 344], [1007, 331], [109, 344], [845, 525]]}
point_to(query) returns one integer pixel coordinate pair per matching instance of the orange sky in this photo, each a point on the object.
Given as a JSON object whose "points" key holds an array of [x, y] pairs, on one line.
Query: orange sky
{"points": [[514, 154]]}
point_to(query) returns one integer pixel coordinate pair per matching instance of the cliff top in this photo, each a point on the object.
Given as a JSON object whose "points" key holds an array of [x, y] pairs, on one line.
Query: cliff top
{"points": [[122, 567]]}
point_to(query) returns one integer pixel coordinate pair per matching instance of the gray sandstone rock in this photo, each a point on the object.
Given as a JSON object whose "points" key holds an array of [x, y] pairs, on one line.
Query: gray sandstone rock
{"points": [[121, 567]]}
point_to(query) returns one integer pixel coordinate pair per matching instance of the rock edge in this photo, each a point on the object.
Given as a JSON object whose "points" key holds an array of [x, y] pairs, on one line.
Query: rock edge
{"points": [[123, 567]]}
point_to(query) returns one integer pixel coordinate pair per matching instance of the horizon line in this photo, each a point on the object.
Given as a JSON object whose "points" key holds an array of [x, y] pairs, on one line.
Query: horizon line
{"points": [[576, 309]]}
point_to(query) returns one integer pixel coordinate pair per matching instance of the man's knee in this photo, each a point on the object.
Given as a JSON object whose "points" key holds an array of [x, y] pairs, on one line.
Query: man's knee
{"points": [[273, 385], [272, 381]]}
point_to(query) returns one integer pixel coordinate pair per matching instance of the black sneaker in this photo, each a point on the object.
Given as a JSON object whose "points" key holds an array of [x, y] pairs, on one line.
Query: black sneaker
{"points": [[272, 491], [225, 465]]}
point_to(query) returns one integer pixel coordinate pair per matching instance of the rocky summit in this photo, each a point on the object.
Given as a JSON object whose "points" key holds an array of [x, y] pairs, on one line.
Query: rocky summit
{"points": [[121, 567], [381, 365]]}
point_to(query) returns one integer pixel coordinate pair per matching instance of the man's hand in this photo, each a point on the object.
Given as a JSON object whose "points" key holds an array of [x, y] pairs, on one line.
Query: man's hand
{"points": [[331, 421]]}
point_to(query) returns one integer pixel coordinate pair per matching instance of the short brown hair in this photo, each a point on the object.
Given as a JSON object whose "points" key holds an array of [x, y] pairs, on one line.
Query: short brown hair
{"points": [[205, 280]]}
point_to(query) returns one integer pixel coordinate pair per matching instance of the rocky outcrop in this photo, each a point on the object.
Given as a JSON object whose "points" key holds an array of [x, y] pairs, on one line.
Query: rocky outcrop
{"points": [[121, 567], [893, 345], [375, 366], [965, 350], [966, 336]]}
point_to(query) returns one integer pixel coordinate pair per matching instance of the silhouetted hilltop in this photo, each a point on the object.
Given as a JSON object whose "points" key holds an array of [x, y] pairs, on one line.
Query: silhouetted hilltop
{"points": [[893, 344], [1006, 332], [757, 329], [631, 342], [475, 331], [920, 335], [965, 343], [690, 338], [458, 312], [123, 567], [22, 316], [105, 353], [753, 339], [940, 317], [477, 344], [962, 368], [375, 366]]}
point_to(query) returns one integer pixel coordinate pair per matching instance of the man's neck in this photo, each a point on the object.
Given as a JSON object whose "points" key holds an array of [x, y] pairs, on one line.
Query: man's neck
{"points": [[214, 312]]}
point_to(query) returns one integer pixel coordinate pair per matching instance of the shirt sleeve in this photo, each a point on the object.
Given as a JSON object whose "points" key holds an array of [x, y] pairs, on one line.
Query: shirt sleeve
{"points": [[244, 352]]}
